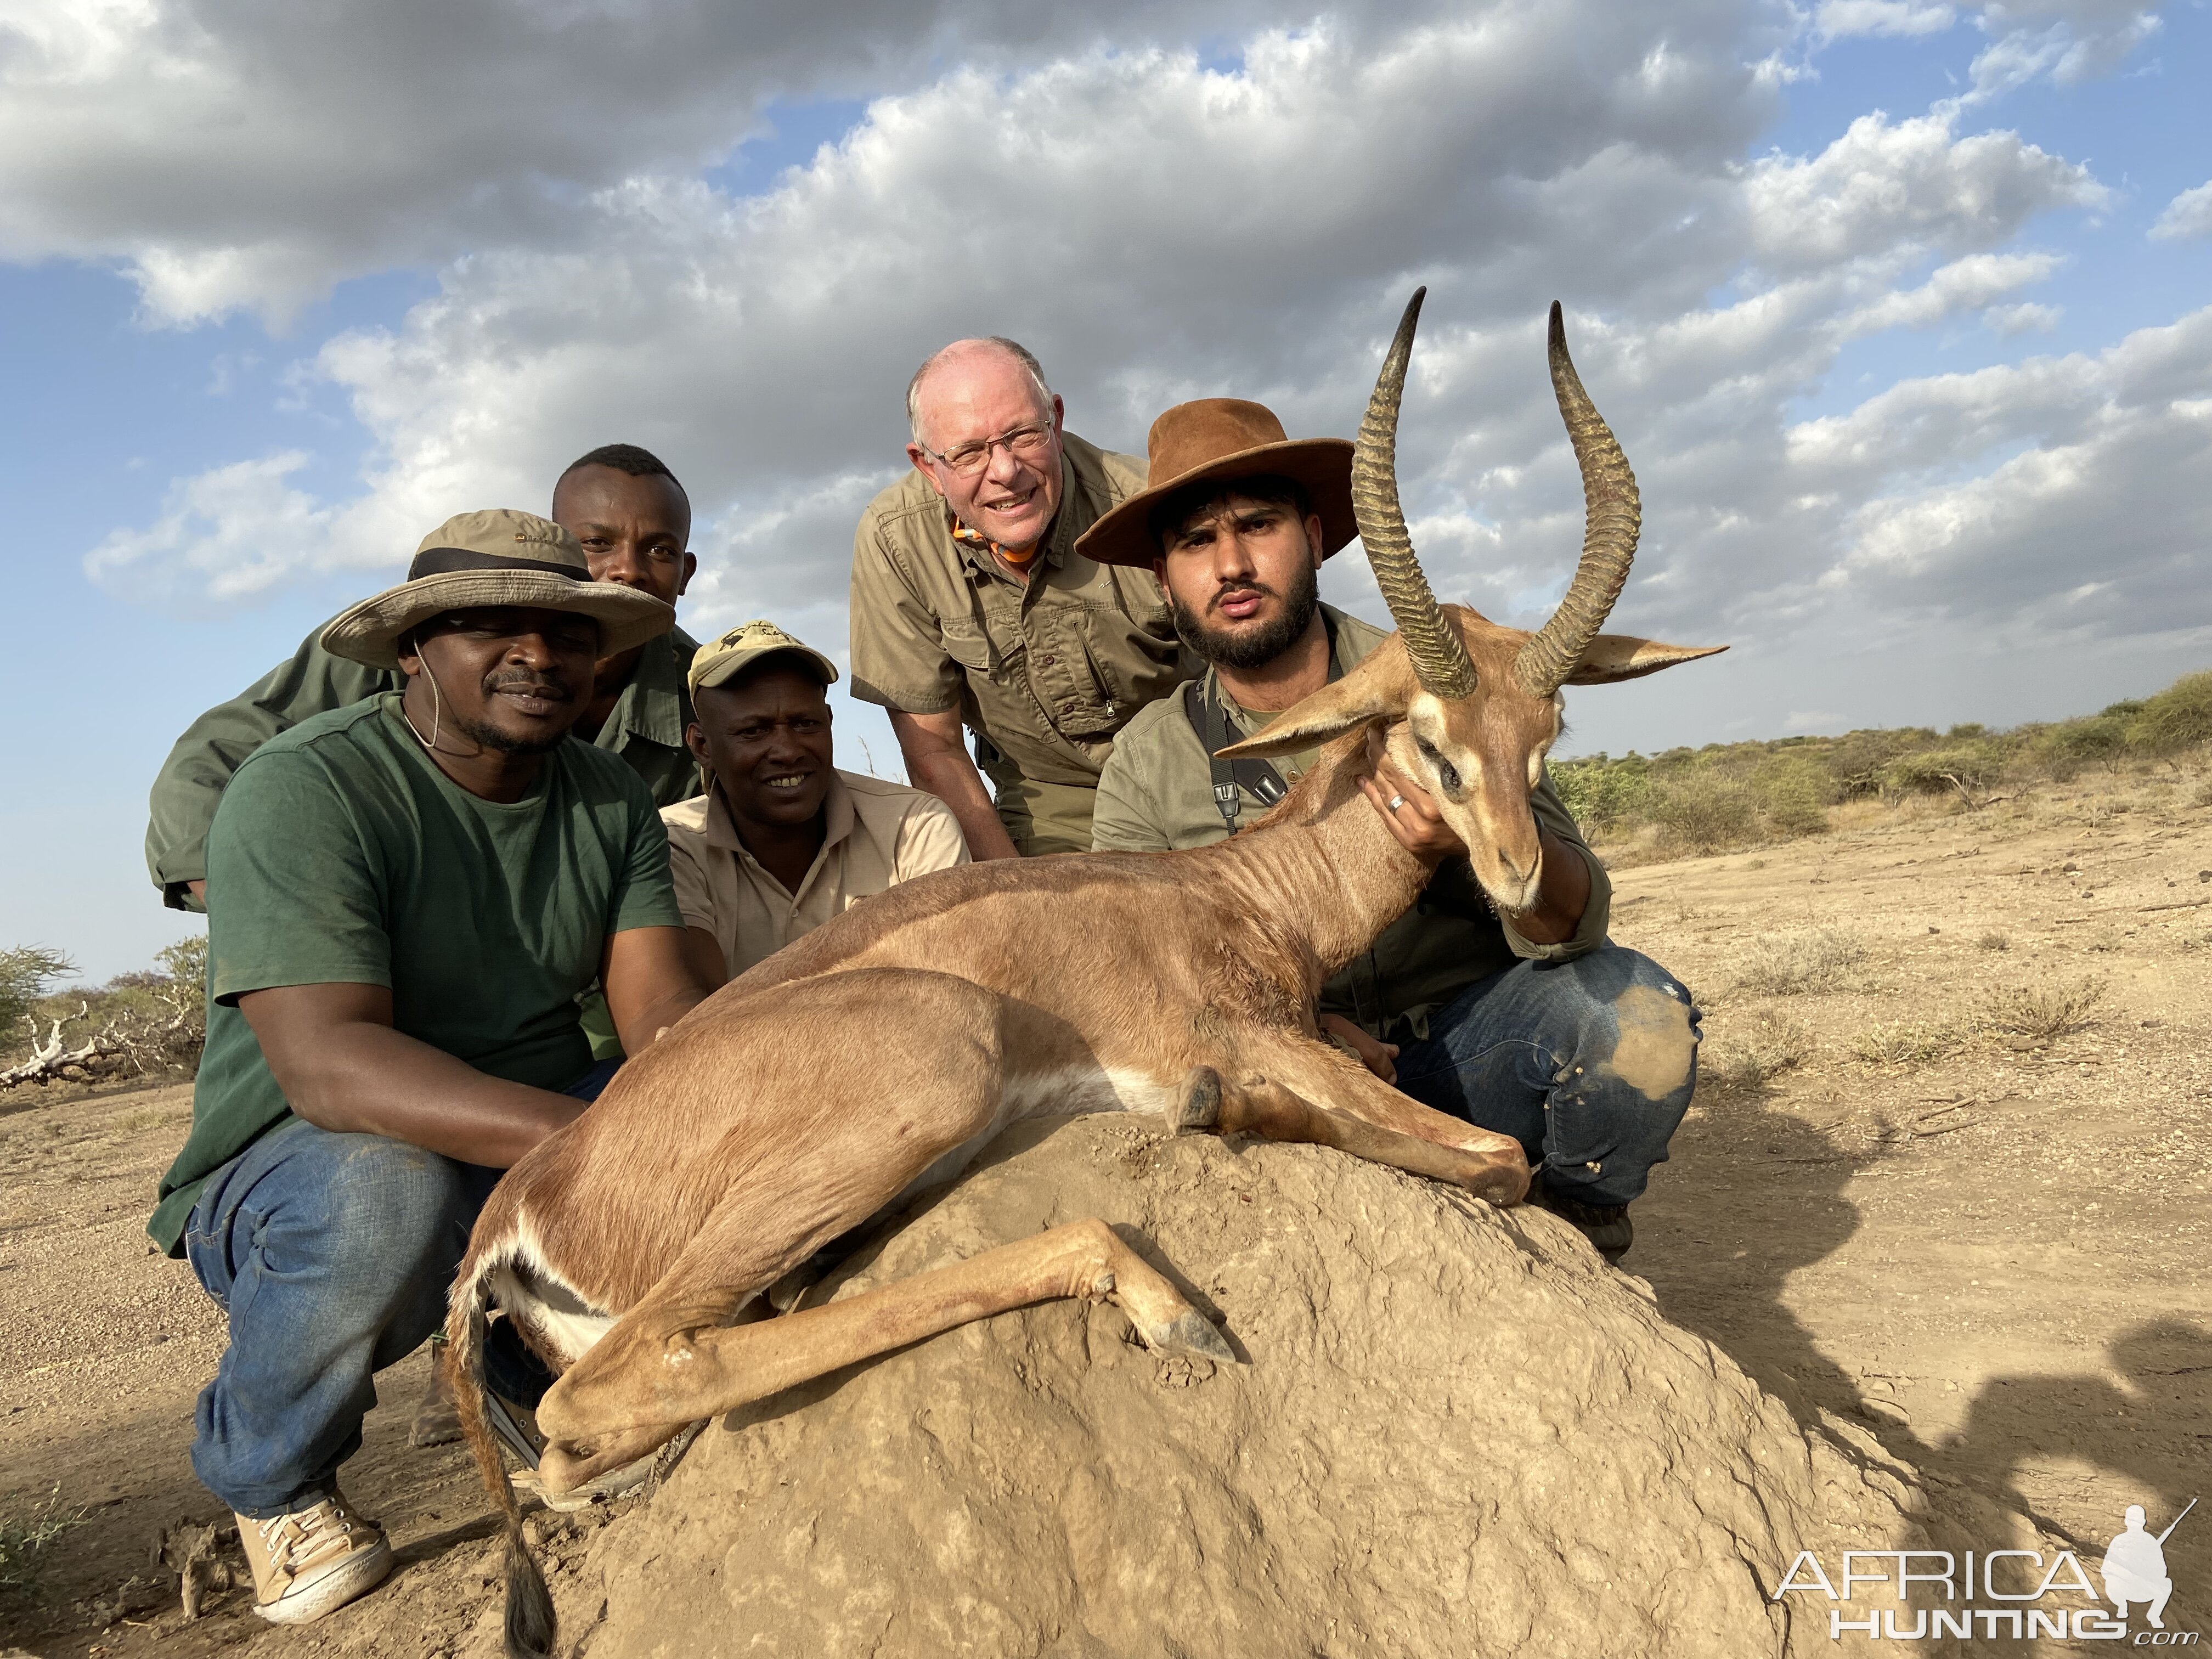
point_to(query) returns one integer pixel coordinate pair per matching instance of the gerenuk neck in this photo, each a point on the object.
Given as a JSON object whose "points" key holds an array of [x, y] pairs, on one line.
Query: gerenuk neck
{"points": [[1322, 865]]}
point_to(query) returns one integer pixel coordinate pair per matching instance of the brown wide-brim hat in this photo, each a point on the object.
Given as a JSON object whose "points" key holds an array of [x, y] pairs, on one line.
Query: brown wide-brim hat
{"points": [[495, 559], [1224, 438]]}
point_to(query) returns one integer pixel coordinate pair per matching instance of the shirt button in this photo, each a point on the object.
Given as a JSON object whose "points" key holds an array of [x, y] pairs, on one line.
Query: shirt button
{"points": [[1047, 662]]}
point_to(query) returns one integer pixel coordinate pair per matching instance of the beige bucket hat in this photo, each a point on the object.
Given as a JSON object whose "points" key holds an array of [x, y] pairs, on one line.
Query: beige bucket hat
{"points": [[1224, 438], [475, 561], [721, 659]]}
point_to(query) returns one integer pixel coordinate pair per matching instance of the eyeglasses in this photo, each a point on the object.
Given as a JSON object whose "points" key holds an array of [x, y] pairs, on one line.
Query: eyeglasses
{"points": [[1023, 443]]}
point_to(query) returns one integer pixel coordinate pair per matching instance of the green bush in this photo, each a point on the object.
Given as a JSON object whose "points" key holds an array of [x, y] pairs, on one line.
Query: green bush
{"points": [[1604, 794], [1793, 795], [27, 973], [1969, 771], [2179, 717], [2065, 749], [1704, 809]]}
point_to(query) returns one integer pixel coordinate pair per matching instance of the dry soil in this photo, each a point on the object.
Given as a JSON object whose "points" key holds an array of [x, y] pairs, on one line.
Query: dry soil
{"points": [[1985, 1250]]}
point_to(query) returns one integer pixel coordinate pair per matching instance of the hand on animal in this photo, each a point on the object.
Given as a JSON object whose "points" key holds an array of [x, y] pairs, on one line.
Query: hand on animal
{"points": [[1377, 1057], [1420, 826]]}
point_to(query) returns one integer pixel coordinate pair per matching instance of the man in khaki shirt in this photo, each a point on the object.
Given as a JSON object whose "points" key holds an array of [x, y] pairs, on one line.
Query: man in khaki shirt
{"points": [[1514, 1024], [782, 841], [971, 608]]}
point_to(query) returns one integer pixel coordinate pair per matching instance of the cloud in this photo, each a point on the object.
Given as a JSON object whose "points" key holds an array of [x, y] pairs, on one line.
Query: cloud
{"points": [[2026, 318], [1836, 20], [228, 533], [2069, 40], [242, 154], [1159, 225], [1913, 181], [2089, 526], [2188, 214]]}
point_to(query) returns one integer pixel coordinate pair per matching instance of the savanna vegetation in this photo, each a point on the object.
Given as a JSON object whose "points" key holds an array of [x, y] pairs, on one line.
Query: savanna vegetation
{"points": [[147, 1025], [1726, 796]]}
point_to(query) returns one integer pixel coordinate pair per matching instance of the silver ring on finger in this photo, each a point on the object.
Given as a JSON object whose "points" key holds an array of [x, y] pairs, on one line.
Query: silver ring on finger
{"points": [[1397, 801]]}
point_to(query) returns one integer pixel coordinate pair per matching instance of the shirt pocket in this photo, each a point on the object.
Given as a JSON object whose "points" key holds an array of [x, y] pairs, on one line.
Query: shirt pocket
{"points": [[1135, 660], [967, 644]]}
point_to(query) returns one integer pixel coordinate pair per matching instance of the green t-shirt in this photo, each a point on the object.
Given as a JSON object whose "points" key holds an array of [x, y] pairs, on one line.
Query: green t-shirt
{"points": [[341, 854]]}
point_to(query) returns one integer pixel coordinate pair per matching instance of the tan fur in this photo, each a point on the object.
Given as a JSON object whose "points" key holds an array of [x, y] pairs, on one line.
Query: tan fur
{"points": [[1494, 741], [885, 1046]]}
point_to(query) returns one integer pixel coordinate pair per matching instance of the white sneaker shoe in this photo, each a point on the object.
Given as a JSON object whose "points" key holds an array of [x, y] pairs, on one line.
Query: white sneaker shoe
{"points": [[312, 1561]]}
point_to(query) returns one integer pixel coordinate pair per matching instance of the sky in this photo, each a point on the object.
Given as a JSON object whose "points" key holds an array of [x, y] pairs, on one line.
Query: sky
{"points": [[1901, 309]]}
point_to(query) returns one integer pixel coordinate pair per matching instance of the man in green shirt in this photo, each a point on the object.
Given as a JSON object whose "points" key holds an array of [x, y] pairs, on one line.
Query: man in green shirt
{"points": [[634, 523], [1511, 1023], [971, 610], [410, 895]]}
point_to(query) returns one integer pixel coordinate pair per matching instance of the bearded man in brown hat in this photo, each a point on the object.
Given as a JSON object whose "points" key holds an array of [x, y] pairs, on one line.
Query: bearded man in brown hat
{"points": [[1510, 1023], [411, 895]]}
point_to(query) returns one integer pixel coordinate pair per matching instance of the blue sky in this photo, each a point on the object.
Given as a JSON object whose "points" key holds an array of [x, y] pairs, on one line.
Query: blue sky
{"points": [[1222, 198]]}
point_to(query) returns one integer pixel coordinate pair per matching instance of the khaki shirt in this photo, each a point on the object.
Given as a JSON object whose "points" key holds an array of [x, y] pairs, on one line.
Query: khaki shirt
{"points": [[1047, 669], [878, 834], [1157, 792], [645, 727]]}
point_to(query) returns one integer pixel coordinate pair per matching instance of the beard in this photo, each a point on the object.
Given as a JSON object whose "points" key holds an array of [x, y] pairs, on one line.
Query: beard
{"points": [[1253, 648], [488, 735]]}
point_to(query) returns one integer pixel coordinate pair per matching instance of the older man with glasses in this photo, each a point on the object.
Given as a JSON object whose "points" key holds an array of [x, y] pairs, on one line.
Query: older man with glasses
{"points": [[972, 611]]}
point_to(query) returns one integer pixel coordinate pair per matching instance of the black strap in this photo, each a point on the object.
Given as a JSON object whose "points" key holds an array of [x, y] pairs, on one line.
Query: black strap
{"points": [[444, 561], [1230, 777]]}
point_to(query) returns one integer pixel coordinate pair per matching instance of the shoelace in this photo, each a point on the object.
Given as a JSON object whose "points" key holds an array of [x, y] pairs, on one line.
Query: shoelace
{"points": [[286, 1554]]}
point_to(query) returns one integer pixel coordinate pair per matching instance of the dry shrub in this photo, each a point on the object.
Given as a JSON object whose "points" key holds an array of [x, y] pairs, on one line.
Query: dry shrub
{"points": [[2043, 1013], [1906, 1042], [25, 1539], [1994, 940], [1752, 1054], [1704, 810], [1792, 964]]}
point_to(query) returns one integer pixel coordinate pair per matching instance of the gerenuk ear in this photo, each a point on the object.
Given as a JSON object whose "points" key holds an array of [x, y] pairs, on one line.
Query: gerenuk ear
{"points": [[1611, 656], [1378, 689]]}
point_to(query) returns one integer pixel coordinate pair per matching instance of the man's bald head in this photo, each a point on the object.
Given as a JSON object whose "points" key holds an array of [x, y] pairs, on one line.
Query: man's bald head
{"points": [[988, 359]]}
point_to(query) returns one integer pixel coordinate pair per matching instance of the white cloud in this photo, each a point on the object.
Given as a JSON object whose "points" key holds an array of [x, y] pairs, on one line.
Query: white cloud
{"points": [[1836, 20], [239, 154], [1157, 229], [2187, 215], [227, 533], [2069, 40], [1913, 181], [2026, 318]]}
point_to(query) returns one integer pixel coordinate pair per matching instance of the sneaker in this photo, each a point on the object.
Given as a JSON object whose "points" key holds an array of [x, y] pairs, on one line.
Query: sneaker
{"points": [[1606, 1225], [313, 1560]]}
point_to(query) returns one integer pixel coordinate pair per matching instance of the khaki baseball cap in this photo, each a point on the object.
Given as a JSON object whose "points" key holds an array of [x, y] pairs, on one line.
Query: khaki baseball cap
{"points": [[720, 659]]}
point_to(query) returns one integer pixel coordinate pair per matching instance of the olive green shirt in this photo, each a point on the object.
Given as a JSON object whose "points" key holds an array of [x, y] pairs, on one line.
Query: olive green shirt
{"points": [[342, 855], [1048, 669], [645, 727], [1156, 793]]}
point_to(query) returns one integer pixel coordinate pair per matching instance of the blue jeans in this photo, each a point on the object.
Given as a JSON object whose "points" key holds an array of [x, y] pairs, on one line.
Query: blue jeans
{"points": [[333, 1255], [1589, 1064]]}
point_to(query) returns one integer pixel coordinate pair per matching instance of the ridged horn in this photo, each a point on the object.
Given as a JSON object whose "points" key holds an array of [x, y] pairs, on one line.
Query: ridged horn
{"points": [[1440, 659], [1612, 515]]}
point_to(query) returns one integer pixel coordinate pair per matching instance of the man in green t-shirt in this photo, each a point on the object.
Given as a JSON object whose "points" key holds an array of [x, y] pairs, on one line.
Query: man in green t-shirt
{"points": [[1535, 1025], [410, 897], [634, 523]]}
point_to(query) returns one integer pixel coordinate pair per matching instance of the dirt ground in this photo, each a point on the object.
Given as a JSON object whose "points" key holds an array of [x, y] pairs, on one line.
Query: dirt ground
{"points": [[1988, 1251]]}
